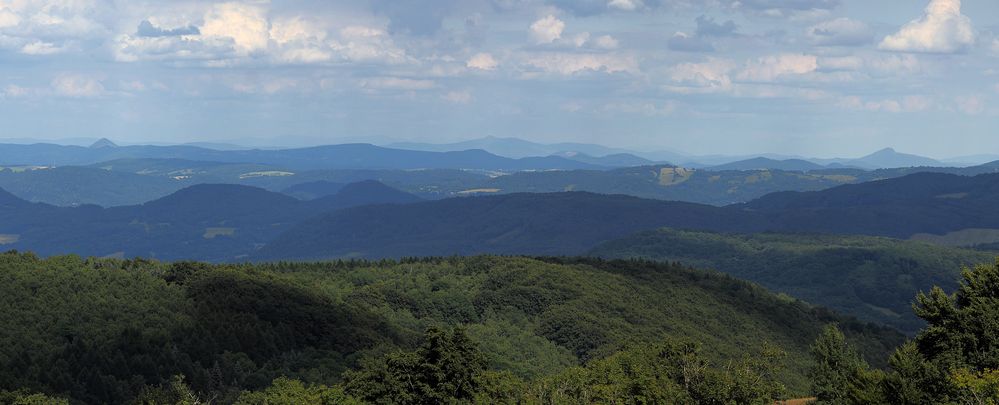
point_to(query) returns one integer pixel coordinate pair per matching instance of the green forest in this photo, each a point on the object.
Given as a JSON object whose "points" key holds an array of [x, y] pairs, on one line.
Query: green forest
{"points": [[872, 278], [464, 330]]}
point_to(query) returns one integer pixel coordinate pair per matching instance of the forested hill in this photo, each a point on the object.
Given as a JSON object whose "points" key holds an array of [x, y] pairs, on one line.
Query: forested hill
{"points": [[933, 203], [217, 222], [109, 331], [872, 278], [537, 224]]}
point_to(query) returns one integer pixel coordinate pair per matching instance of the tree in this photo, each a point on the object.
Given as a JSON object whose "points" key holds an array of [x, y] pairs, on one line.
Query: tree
{"points": [[840, 375], [443, 369]]}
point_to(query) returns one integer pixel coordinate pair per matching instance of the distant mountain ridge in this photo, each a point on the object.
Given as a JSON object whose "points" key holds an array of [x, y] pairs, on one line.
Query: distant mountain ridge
{"points": [[345, 156], [216, 222]]}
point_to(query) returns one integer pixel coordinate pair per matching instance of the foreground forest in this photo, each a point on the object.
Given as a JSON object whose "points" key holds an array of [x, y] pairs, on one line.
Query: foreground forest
{"points": [[501, 329]]}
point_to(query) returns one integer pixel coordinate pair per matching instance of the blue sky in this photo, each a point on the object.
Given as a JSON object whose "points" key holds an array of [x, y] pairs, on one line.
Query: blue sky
{"points": [[812, 77]]}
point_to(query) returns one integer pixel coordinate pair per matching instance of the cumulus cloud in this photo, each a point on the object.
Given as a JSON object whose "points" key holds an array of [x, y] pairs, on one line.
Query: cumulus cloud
{"points": [[482, 61], [942, 29], [245, 25], [704, 77], [78, 86], [147, 29], [547, 30], [770, 68], [233, 33], [840, 32]]}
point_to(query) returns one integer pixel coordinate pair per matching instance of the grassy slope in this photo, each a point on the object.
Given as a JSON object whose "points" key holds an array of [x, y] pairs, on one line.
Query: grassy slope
{"points": [[873, 278]]}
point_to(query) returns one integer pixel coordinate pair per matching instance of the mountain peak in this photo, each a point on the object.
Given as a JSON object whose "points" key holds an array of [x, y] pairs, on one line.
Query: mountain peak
{"points": [[103, 143]]}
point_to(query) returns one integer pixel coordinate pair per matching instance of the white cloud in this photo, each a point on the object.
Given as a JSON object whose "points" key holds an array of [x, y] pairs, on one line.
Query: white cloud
{"points": [[625, 5], [705, 77], [547, 30], [770, 68], [8, 18], [995, 46], [605, 42], [458, 97], [246, 25], [482, 61], [840, 32], [572, 63], [40, 48], [73, 85], [943, 29]]}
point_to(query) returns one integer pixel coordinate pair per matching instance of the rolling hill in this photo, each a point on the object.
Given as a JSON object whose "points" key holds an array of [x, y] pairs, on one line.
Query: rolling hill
{"points": [[134, 325], [217, 222], [872, 278], [537, 224], [762, 163]]}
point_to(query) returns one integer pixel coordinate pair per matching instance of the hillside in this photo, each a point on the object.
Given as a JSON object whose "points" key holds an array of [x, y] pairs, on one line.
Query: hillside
{"points": [[217, 222], [66, 186], [933, 203], [537, 224], [762, 163], [115, 329], [868, 277]]}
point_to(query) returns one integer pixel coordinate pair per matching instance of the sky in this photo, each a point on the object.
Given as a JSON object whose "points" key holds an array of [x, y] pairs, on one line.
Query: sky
{"points": [[818, 78]]}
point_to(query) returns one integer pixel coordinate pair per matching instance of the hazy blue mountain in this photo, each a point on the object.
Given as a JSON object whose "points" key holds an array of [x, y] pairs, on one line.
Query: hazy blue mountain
{"points": [[886, 158], [541, 224], [930, 203], [613, 160], [73, 185], [769, 164], [512, 147], [217, 222], [313, 189], [346, 156]]}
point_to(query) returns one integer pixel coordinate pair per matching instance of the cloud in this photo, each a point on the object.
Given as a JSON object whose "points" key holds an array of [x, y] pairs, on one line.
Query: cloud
{"points": [[245, 25], [458, 97], [547, 30], [650, 109], [482, 61], [77, 86], [943, 29], [995, 46], [147, 29], [704, 77], [41, 48], [625, 5], [707, 27], [840, 32], [683, 42], [605, 42], [572, 63], [771, 68]]}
